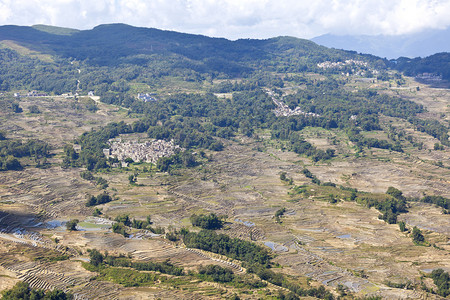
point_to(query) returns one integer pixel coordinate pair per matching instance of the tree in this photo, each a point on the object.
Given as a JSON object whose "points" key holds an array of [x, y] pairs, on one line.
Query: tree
{"points": [[12, 163], [120, 228], [56, 295], [396, 193], [92, 200], [16, 108], [125, 219], [217, 273], [132, 179], [34, 109], [72, 224], [417, 236], [23, 291], [97, 212], [438, 146], [19, 291], [129, 160], [402, 226], [279, 213], [442, 280], [96, 258], [100, 199]]}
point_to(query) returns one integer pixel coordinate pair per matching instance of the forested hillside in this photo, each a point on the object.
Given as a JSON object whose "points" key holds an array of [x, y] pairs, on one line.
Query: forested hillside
{"points": [[438, 64], [123, 45]]}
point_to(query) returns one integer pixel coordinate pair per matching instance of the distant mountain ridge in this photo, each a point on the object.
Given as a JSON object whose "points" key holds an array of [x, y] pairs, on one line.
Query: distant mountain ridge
{"points": [[120, 43], [194, 56], [420, 44]]}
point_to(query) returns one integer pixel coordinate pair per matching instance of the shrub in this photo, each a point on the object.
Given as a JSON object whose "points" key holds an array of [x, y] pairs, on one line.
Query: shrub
{"points": [[72, 224]]}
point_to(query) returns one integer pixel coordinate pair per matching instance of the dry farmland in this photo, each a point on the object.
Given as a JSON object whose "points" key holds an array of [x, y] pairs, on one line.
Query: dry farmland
{"points": [[322, 243]]}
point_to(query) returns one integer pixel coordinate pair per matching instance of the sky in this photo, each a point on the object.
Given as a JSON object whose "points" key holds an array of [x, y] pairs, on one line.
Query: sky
{"points": [[234, 19]]}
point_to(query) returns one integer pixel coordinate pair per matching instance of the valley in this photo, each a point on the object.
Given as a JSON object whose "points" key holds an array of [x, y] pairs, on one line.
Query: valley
{"points": [[311, 172]]}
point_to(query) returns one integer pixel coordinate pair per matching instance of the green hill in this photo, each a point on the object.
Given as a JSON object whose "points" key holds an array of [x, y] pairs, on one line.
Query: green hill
{"points": [[116, 44]]}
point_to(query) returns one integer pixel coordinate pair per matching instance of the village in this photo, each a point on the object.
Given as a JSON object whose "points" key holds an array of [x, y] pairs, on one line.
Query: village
{"points": [[359, 68], [283, 110], [149, 151], [329, 64]]}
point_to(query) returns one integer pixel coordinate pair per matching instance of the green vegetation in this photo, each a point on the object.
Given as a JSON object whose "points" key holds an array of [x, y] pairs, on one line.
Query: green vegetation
{"points": [[283, 177], [163, 267], [11, 150], [99, 199], [435, 64], [96, 258], [279, 213], [442, 280], [192, 57], [16, 108], [402, 226], [72, 225], [97, 212], [390, 207], [34, 109], [210, 221], [181, 159], [100, 181], [404, 285], [216, 273], [128, 272], [120, 229], [10, 163], [438, 200], [22, 291], [126, 277], [30, 148], [433, 128], [417, 236], [124, 221], [283, 281], [132, 179], [232, 247], [308, 174]]}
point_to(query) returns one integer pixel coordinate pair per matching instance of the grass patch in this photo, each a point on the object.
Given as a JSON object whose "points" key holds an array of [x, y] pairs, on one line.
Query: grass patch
{"points": [[124, 276], [91, 225]]}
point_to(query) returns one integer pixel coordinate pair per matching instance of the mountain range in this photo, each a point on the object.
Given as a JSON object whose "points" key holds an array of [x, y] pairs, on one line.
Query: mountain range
{"points": [[422, 44], [120, 43], [174, 52]]}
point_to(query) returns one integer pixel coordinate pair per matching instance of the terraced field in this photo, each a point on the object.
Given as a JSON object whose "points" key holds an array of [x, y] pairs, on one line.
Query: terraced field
{"points": [[332, 244]]}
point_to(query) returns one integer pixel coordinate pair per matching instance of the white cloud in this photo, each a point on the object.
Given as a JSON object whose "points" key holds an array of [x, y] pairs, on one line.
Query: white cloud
{"points": [[237, 18]]}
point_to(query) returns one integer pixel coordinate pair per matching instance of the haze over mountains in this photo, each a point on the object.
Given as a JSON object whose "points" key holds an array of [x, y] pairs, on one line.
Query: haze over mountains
{"points": [[420, 44]]}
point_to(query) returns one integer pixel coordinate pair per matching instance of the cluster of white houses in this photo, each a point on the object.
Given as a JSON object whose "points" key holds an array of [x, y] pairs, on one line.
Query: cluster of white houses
{"points": [[340, 64], [146, 97], [283, 110], [429, 77], [149, 151], [31, 94]]}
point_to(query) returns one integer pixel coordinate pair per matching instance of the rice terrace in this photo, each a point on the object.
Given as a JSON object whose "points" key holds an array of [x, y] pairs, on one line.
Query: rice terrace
{"points": [[250, 169]]}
